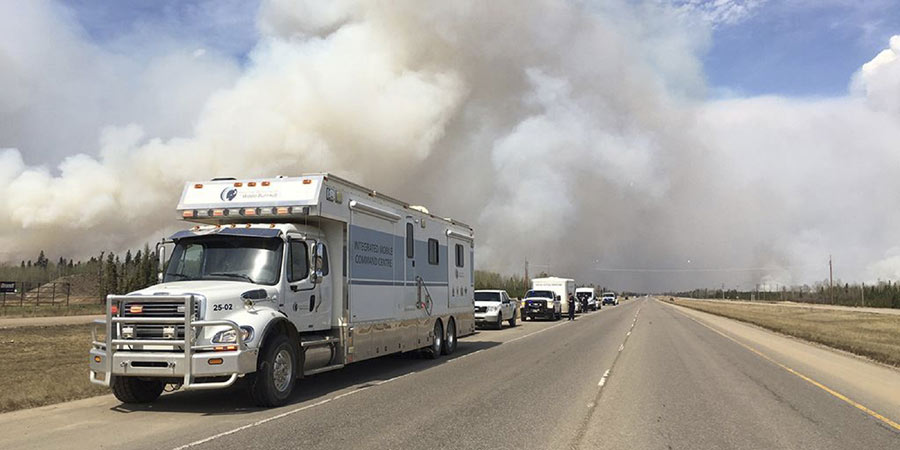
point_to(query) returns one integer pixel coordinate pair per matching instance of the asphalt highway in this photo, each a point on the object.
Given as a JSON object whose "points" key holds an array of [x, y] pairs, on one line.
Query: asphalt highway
{"points": [[644, 374]]}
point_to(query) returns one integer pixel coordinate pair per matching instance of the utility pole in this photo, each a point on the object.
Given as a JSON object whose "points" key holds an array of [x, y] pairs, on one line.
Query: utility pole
{"points": [[526, 274], [723, 291], [862, 292], [831, 279]]}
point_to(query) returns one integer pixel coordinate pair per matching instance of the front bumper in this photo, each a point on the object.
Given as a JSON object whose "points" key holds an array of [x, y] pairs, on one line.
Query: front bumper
{"points": [[538, 311], [172, 364], [179, 358], [487, 317]]}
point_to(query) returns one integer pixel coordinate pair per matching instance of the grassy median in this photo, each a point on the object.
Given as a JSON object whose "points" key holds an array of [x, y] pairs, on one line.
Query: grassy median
{"points": [[44, 365], [876, 336]]}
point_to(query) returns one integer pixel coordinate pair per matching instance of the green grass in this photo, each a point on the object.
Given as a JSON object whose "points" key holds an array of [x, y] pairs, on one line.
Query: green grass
{"points": [[45, 365], [876, 336]]}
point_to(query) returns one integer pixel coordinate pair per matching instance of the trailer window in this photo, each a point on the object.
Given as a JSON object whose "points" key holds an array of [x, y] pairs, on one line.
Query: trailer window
{"points": [[433, 248], [460, 256], [299, 261], [410, 241]]}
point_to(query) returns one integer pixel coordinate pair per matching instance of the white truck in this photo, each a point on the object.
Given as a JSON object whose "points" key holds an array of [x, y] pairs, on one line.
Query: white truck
{"points": [[587, 296], [609, 298], [559, 286], [281, 278], [493, 307]]}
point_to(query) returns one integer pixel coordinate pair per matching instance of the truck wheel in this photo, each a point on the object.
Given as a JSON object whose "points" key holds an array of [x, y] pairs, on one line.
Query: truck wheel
{"points": [[512, 320], [499, 324], [276, 373], [450, 343], [434, 350], [136, 390]]}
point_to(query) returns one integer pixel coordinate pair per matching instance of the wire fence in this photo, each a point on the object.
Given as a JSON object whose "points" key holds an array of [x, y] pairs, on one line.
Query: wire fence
{"points": [[28, 293]]}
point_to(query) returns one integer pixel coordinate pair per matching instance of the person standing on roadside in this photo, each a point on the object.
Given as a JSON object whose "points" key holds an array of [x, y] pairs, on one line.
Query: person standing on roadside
{"points": [[571, 307]]}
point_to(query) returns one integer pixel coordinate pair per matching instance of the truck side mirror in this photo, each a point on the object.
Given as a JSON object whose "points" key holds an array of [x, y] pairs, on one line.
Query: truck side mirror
{"points": [[318, 263], [162, 260]]}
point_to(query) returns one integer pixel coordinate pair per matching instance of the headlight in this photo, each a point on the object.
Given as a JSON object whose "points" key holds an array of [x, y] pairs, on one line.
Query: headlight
{"points": [[230, 337], [493, 308]]}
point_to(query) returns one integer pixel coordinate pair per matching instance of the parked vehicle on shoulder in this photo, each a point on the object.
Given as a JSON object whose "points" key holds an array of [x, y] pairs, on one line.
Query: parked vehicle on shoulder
{"points": [[493, 307], [561, 287], [586, 295], [280, 278], [609, 298], [541, 304]]}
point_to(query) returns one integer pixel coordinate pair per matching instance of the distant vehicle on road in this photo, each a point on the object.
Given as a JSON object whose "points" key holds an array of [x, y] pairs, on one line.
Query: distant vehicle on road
{"points": [[541, 303], [609, 298], [586, 294], [561, 287], [493, 307]]}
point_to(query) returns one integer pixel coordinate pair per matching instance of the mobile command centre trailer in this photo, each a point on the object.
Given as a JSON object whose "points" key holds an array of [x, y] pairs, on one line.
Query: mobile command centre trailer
{"points": [[286, 277], [559, 286]]}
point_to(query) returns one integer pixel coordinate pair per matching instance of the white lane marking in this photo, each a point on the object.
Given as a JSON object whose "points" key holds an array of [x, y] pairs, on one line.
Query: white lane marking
{"points": [[534, 333], [287, 413], [322, 402], [628, 334], [254, 424], [622, 347], [603, 378]]}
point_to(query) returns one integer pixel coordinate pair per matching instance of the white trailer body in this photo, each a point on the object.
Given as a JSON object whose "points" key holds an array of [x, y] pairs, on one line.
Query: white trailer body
{"points": [[336, 274], [559, 286]]}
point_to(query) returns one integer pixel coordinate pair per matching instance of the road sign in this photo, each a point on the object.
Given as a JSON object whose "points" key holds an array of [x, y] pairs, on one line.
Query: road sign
{"points": [[7, 287]]}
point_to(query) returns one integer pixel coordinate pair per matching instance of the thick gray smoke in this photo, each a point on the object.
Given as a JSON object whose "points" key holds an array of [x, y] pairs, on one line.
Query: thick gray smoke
{"points": [[573, 135]]}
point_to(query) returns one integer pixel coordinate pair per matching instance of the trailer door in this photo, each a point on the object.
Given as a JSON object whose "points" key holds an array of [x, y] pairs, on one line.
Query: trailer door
{"points": [[460, 294], [411, 291]]}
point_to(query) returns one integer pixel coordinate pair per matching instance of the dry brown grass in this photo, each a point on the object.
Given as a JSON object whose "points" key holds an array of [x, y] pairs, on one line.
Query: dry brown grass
{"points": [[876, 336], [44, 365], [50, 311]]}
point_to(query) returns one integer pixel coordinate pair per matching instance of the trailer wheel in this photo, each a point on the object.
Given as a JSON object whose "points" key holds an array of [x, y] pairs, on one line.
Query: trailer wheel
{"points": [[136, 390], [450, 343], [434, 350], [276, 373]]}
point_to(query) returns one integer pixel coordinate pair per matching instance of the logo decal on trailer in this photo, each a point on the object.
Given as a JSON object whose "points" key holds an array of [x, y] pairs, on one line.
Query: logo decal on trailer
{"points": [[228, 194]]}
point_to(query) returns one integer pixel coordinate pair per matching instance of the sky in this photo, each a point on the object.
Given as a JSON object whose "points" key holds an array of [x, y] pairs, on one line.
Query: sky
{"points": [[637, 144]]}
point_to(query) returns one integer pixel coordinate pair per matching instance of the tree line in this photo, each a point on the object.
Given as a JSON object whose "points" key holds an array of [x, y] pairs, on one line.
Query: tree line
{"points": [[100, 275], [883, 294]]}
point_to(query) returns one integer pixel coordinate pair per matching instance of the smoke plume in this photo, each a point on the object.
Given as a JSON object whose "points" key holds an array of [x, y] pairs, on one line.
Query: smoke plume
{"points": [[572, 135]]}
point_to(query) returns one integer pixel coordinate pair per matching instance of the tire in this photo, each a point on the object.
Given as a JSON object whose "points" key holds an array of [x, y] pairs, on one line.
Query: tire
{"points": [[499, 324], [512, 320], [450, 344], [276, 373], [136, 390], [434, 350]]}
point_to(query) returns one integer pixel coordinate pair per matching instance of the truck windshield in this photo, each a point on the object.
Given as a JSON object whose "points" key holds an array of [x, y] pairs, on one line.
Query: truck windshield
{"points": [[545, 294], [583, 295], [487, 296], [251, 259]]}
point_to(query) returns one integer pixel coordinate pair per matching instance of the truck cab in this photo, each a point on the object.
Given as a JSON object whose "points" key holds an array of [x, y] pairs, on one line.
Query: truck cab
{"points": [[609, 298], [283, 278], [542, 304], [493, 307]]}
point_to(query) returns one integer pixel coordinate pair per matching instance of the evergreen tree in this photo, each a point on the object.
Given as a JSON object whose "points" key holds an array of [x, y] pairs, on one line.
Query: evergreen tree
{"points": [[42, 261]]}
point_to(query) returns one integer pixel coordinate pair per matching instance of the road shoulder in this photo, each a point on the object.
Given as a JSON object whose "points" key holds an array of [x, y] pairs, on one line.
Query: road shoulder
{"points": [[861, 381]]}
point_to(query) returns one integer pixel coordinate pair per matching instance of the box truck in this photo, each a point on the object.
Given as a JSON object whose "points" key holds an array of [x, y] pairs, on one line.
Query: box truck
{"points": [[559, 287], [281, 278]]}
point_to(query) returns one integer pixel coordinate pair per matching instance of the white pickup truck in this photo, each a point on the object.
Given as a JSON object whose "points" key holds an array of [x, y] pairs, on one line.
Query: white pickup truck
{"points": [[492, 307]]}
